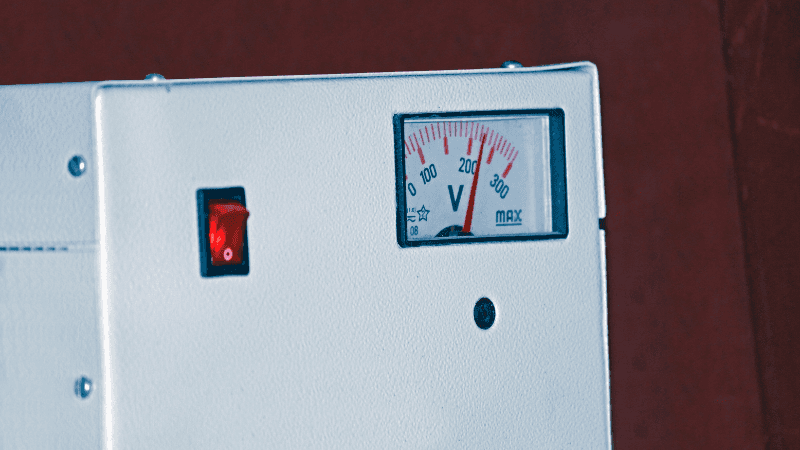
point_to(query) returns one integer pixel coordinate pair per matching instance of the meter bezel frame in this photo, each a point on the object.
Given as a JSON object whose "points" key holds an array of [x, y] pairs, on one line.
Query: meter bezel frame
{"points": [[558, 175]]}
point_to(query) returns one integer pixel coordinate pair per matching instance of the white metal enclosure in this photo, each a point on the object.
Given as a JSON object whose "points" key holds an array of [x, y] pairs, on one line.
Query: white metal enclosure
{"points": [[337, 337]]}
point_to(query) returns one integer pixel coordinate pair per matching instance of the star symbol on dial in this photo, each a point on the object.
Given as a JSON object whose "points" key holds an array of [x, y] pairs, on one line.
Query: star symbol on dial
{"points": [[423, 213]]}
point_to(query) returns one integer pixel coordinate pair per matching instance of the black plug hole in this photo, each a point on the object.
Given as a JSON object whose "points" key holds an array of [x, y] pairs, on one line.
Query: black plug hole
{"points": [[484, 313]]}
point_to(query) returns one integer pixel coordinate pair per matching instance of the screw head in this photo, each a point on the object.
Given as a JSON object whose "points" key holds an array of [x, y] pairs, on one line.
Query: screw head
{"points": [[83, 387], [77, 165], [512, 65], [154, 77]]}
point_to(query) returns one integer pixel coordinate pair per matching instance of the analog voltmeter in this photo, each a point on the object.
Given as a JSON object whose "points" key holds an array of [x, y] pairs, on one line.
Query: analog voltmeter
{"points": [[484, 176]]}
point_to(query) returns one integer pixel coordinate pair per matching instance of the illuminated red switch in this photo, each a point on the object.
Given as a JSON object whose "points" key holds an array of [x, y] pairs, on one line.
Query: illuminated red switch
{"points": [[226, 228], [222, 222]]}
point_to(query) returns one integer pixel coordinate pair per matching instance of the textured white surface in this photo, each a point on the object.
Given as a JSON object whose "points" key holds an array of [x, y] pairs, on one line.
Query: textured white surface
{"points": [[48, 339], [48, 299], [338, 338], [41, 128]]}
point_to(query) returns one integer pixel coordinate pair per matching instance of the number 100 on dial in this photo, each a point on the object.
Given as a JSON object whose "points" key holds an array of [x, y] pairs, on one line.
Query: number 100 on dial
{"points": [[484, 176]]}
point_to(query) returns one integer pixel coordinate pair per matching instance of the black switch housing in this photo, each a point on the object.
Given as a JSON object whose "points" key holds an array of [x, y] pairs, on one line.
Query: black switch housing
{"points": [[207, 270]]}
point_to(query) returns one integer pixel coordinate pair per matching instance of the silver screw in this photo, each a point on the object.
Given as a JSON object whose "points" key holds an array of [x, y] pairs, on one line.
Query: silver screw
{"points": [[512, 65], [83, 387], [77, 165], [154, 77]]}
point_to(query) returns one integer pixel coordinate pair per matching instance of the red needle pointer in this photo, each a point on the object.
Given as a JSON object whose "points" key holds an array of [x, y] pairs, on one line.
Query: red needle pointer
{"points": [[471, 205]]}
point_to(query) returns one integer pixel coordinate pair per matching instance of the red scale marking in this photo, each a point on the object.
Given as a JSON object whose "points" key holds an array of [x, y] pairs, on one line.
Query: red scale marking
{"points": [[469, 147], [504, 148], [417, 142], [489, 159], [426, 133], [446, 151], [439, 130], [510, 164], [507, 169]]}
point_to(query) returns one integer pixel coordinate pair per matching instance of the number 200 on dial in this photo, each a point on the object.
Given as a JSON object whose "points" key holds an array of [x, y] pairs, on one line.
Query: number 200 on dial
{"points": [[479, 177]]}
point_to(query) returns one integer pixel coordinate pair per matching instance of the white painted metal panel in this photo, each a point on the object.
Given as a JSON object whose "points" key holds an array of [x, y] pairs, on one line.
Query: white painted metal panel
{"points": [[41, 128], [338, 337], [49, 327], [49, 308]]}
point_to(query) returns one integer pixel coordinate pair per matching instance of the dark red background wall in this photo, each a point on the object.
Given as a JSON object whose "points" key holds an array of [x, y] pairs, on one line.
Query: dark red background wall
{"points": [[701, 132]]}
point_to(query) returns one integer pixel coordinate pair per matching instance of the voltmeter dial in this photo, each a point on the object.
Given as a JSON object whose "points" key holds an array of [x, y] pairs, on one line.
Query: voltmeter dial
{"points": [[480, 177]]}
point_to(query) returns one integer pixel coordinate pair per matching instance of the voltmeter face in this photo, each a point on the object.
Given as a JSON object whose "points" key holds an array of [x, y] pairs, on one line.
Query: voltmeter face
{"points": [[484, 176]]}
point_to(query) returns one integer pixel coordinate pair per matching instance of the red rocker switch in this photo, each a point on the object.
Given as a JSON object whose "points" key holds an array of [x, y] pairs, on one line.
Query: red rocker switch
{"points": [[221, 222], [226, 231]]}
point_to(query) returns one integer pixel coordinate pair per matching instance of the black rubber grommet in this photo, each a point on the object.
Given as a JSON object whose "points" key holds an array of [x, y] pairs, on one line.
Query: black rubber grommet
{"points": [[484, 313]]}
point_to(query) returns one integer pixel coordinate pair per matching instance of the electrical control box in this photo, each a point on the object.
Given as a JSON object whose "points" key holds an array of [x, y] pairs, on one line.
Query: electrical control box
{"points": [[400, 260]]}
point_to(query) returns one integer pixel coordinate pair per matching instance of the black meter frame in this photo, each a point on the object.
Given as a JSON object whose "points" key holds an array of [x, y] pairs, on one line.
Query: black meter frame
{"points": [[558, 176]]}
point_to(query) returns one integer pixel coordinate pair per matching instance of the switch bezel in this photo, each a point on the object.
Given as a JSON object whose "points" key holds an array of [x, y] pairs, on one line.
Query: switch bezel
{"points": [[208, 270]]}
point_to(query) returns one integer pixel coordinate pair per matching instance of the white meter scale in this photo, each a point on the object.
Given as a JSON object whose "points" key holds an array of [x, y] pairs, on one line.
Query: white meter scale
{"points": [[480, 177]]}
